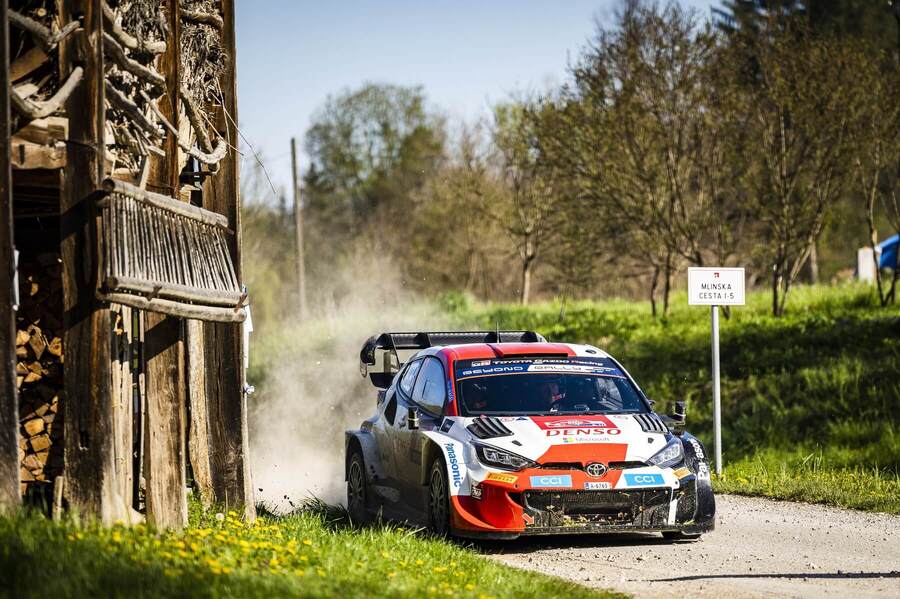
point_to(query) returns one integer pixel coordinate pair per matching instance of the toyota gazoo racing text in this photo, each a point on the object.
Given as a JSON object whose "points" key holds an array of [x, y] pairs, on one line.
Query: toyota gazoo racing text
{"points": [[503, 434]]}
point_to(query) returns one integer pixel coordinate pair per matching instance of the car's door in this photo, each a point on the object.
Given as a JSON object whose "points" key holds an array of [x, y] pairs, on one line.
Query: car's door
{"points": [[393, 424], [382, 430], [428, 398]]}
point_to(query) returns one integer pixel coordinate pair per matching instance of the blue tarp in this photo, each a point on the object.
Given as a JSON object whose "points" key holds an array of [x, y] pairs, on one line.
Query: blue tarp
{"points": [[889, 252]]}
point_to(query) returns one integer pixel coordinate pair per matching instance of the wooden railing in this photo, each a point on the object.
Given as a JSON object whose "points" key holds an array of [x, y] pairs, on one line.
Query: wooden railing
{"points": [[167, 256]]}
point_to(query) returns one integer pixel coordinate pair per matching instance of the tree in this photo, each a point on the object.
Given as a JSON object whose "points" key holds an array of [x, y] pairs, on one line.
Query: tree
{"points": [[452, 206], [645, 137], [797, 100], [370, 150], [875, 137], [527, 211]]}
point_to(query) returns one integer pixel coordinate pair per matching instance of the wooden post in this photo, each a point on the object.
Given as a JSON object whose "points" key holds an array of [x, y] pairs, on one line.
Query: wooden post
{"points": [[298, 229], [9, 400], [165, 432], [229, 443], [198, 422], [164, 436], [90, 461]]}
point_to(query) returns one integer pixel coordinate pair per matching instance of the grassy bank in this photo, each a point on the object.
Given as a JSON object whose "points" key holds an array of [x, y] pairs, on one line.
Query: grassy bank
{"points": [[815, 477], [303, 555], [823, 380]]}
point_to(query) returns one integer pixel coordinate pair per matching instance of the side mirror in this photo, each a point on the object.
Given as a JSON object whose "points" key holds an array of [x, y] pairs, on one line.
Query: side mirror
{"points": [[380, 399], [651, 402], [678, 416], [412, 419]]}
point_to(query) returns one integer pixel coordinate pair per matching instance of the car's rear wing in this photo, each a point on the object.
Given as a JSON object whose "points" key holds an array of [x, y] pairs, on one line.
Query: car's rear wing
{"points": [[382, 355]]}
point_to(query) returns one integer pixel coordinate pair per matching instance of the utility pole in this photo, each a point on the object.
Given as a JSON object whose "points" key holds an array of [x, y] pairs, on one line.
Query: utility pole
{"points": [[298, 229]]}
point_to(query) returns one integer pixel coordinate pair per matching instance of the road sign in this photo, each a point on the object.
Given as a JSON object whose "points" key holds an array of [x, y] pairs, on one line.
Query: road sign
{"points": [[716, 287]]}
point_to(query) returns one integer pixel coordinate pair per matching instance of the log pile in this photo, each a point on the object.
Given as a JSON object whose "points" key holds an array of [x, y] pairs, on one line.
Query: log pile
{"points": [[39, 369]]}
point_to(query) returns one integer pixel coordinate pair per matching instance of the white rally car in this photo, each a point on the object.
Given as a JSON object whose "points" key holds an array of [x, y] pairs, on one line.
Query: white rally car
{"points": [[502, 434]]}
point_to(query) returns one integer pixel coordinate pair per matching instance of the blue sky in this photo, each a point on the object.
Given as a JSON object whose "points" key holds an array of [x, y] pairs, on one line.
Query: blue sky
{"points": [[466, 54]]}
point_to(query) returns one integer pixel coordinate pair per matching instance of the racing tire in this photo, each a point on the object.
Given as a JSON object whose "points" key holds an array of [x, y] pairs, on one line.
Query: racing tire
{"points": [[438, 500], [677, 535], [357, 491]]}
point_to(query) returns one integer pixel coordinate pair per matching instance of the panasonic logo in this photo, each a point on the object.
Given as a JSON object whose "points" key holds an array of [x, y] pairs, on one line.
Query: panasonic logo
{"points": [[454, 464]]}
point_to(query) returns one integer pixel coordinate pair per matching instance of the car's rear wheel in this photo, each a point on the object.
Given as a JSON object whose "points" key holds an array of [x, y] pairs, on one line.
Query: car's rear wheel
{"points": [[438, 499], [357, 490], [677, 535]]}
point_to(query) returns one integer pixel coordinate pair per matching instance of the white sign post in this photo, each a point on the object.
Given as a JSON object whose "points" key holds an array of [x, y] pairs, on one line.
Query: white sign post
{"points": [[716, 287]]}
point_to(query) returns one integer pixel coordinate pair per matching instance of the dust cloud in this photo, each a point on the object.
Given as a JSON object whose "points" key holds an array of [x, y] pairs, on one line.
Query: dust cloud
{"points": [[313, 391]]}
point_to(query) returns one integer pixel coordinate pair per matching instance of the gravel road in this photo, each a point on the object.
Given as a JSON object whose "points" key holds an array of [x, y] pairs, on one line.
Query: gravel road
{"points": [[760, 548]]}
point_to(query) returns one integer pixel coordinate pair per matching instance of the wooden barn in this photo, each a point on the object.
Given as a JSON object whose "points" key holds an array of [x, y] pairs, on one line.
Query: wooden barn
{"points": [[122, 378]]}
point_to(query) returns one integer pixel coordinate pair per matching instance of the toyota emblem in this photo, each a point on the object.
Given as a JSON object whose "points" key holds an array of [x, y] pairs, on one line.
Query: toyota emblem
{"points": [[596, 469]]}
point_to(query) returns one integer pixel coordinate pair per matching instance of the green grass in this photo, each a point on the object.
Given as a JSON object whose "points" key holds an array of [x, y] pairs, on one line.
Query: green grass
{"points": [[308, 554], [810, 476], [826, 375]]}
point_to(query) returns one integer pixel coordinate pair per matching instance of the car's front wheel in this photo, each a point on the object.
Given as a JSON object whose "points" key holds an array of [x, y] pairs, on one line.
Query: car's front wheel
{"points": [[438, 499], [357, 490]]}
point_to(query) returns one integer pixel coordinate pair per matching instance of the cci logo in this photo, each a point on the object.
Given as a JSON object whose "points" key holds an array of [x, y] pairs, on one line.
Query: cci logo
{"points": [[644, 480], [551, 481]]}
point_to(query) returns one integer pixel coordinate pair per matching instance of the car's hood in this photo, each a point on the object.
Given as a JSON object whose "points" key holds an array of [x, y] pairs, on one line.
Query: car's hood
{"points": [[570, 438]]}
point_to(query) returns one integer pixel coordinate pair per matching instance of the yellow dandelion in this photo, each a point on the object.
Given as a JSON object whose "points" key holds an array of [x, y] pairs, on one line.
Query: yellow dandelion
{"points": [[299, 572], [470, 586], [320, 572], [307, 542], [439, 569], [303, 558], [419, 562]]}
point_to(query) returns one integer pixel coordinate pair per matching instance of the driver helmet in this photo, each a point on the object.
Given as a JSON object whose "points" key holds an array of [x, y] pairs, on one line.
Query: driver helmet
{"points": [[551, 391]]}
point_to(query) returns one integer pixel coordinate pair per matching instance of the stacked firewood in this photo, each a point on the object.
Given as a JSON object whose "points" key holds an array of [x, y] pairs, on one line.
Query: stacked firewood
{"points": [[39, 369]]}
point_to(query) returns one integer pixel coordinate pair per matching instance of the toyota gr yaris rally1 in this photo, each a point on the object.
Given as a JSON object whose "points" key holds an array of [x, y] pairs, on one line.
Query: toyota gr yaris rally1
{"points": [[503, 434]]}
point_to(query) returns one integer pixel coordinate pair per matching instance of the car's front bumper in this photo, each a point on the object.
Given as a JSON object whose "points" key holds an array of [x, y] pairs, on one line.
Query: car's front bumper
{"points": [[507, 512]]}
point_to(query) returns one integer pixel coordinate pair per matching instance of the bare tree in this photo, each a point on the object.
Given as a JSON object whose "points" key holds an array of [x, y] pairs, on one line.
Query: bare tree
{"points": [[529, 213], [796, 143], [875, 138]]}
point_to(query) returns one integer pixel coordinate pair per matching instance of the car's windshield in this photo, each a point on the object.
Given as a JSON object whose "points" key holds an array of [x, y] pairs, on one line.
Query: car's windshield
{"points": [[536, 386]]}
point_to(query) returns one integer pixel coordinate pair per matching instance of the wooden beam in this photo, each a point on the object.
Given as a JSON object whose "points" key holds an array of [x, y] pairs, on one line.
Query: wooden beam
{"points": [[9, 399], [92, 488], [198, 421], [165, 432], [229, 442], [165, 441]]}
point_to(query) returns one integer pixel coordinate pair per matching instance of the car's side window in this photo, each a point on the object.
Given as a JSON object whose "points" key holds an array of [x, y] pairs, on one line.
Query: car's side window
{"points": [[390, 411], [409, 377], [430, 390]]}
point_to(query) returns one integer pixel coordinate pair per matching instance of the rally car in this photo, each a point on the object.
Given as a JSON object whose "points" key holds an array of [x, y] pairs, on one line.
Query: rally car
{"points": [[502, 434]]}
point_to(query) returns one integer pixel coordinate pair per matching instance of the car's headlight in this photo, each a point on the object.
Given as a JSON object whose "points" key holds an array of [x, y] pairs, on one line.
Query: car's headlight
{"points": [[669, 455], [497, 458]]}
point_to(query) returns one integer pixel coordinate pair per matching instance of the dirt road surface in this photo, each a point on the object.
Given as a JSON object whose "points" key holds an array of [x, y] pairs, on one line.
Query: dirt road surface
{"points": [[760, 548]]}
